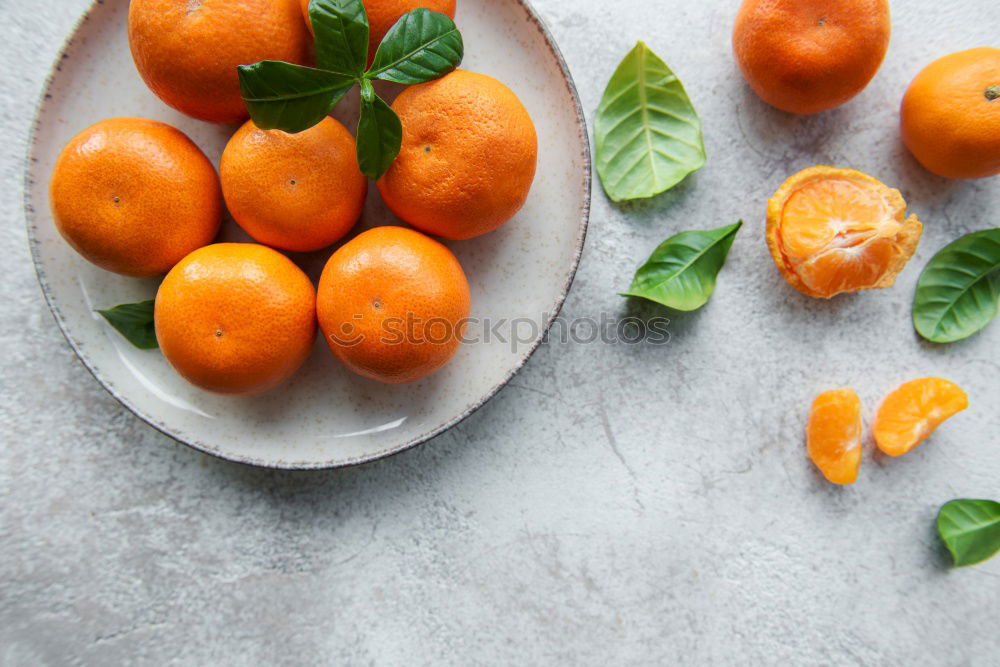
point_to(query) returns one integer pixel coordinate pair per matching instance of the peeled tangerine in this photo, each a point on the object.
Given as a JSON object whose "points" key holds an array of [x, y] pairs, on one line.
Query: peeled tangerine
{"points": [[834, 230], [911, 413], [833, 436]]}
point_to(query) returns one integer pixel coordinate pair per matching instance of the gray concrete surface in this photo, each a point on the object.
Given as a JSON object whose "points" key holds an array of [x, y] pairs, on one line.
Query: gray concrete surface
{"points": [[613, 505]]}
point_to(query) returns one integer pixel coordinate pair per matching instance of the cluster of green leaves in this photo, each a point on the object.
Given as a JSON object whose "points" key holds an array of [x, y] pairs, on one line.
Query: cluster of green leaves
{"points": [[970, 529], [648, 139], [959, 289], [421, 46]]}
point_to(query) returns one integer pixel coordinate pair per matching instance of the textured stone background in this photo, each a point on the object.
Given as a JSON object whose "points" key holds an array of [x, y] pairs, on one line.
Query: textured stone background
{"points": [[613, 505]]}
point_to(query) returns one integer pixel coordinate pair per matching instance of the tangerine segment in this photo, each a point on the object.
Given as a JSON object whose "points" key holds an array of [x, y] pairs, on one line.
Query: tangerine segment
{"points": [[834, 230], [911, 413], [833, 436]]}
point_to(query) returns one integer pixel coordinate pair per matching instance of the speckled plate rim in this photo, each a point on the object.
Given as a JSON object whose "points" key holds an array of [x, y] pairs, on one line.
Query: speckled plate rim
{"points": [[553, 313]]}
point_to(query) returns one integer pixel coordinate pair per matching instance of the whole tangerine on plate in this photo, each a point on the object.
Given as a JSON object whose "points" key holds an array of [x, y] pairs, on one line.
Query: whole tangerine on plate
{"points": [[392, 304], [834, 231], [383, 14], [468, 156], [298, 192], [911, 412], [833, 435], [187, 51], [807, 56], [235, 318], [950, 116], [134, 196]]}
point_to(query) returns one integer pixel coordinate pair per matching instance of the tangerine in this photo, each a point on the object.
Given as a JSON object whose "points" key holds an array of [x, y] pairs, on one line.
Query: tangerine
{"points": [[468, 156], [807, 56], [235, 318], [134, 196], [833, 231], [393, 304], [950, 117], [187, 50], [298, 192]]}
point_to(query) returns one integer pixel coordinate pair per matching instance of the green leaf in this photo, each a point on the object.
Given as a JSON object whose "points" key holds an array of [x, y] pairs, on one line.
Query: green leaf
{"points": [[970, 529], [380, 134], [647, 133], [958, 291], [340, 30], [293, 98], [421, 46], [682, 271], [135, 322]]}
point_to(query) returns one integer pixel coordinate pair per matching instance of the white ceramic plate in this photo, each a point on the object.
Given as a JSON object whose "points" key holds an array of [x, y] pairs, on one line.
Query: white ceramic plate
{"points": [[325, 416]]}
